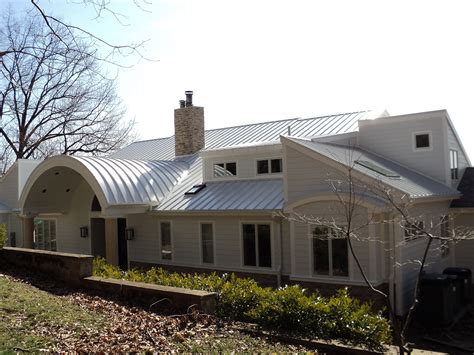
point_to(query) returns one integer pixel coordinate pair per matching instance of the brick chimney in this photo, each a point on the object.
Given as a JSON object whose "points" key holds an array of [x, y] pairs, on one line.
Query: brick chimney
{"points": [[188, 127]]}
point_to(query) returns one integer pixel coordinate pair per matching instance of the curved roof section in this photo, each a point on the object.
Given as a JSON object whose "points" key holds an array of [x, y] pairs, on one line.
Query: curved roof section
{"points": [[163, 148], [118, 181]]}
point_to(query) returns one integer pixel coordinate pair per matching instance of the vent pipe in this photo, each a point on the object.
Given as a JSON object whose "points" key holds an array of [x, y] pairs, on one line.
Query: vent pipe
{"points": [[189, 98], [182, 104]]}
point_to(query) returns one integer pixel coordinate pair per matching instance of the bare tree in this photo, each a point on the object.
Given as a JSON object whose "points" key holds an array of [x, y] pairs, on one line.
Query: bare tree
{"points": [[54, 98], [59, 27], [351, 193]]}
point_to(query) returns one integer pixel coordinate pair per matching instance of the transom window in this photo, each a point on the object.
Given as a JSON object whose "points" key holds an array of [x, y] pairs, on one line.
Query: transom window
{"points": [[165, 241], [422, 140], [330, 252], [453, 162], [257, 245], [269, 166], [45, 234], [225, 169], [207, 243]]}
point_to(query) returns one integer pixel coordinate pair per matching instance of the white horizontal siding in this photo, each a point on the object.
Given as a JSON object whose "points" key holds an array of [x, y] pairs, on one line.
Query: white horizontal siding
{"points": [[411, 252], [306, 177], [68, 225], [464, 250], [328, 211], [186, 240], [393, 139], [453, 144]]}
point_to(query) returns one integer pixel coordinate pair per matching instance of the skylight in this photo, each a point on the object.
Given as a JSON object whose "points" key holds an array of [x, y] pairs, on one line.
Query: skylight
{"points": [[377, 169], [195, 189]]}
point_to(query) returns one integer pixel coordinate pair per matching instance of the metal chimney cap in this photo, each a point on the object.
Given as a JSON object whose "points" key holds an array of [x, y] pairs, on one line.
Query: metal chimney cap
{"points": [[188, 92]]}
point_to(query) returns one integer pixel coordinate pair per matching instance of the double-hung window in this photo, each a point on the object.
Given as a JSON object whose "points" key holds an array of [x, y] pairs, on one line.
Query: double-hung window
{"points": [[45, 234], [330, 252], [453, 162], [257, 247], [165, 241], [207, 243]]}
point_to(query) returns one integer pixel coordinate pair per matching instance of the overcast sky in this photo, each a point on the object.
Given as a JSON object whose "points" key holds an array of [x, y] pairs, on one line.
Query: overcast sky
{"points": [[253, 61]]}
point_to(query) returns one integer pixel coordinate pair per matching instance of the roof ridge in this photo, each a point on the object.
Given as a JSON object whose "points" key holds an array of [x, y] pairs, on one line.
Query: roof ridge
{"points": [[297, 119]]}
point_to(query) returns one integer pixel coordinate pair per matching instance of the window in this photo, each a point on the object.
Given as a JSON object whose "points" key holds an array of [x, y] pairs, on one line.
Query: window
{"points": [[377, 168], [269, 166], [444, 234], [422, 140], [413, 230], [453, 162], [257, 245], [207, 243], [225, 169], [330, 252], [195, 189], [45, 234], [165, 235]]}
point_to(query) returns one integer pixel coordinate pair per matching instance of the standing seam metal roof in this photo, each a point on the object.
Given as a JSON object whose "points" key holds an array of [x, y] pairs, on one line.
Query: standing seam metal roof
{"points": [[128, 182], [163, 148]]}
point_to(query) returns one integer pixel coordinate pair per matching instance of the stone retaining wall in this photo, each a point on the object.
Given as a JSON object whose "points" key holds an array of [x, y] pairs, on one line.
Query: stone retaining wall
{"points": [[70, 268], [149, 294], [76, 270]]}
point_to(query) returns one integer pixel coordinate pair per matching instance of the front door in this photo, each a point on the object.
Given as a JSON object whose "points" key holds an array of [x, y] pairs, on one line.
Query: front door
{"points": [[122, 243]]}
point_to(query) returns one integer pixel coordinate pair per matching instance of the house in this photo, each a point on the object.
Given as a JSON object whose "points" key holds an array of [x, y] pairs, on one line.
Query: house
{"points": [[223, 199]]}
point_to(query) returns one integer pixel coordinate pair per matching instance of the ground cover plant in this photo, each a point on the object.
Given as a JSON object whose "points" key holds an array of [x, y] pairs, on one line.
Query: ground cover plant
{"points": [[285, 309]]}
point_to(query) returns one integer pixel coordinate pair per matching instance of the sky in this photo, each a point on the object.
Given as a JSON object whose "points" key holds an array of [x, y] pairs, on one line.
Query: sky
{"points": [[256, 60]]}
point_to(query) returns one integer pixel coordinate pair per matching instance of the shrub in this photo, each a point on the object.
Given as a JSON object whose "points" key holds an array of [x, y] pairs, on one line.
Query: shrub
{"points": [[286, 309]]}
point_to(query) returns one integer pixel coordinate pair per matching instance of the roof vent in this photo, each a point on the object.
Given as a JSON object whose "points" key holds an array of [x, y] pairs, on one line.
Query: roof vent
{"points": [[189, 98], [182, 104]]}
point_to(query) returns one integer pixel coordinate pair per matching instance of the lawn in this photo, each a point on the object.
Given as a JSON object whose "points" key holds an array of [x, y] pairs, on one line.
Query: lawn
{"points": [[33, 319]]}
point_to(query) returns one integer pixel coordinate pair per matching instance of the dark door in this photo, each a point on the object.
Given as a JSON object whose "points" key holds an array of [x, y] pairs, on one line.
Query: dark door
{"points": [[122, 243], [98, 237]]}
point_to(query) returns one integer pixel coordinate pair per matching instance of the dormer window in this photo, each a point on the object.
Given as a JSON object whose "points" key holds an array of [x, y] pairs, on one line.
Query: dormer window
{"points": [[422, 141], [269, 166], [225, 169]]}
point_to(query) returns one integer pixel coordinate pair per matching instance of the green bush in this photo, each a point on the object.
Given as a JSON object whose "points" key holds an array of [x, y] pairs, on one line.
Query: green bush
{"points": [[285, 309], [3, 235]]}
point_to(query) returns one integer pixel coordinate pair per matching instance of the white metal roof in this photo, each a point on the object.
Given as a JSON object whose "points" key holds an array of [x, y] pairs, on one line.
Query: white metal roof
{"points": [[117, 181], [236, 195], [163, 148]]}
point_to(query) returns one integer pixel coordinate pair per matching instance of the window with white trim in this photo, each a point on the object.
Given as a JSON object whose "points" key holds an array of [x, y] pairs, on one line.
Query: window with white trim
{"points": [[207, 243], [330, 252], [269, 166], [45, 234], [257, 246], [414, 230], [225, 169], [165, 241], [422, 141], [453, 163]]}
